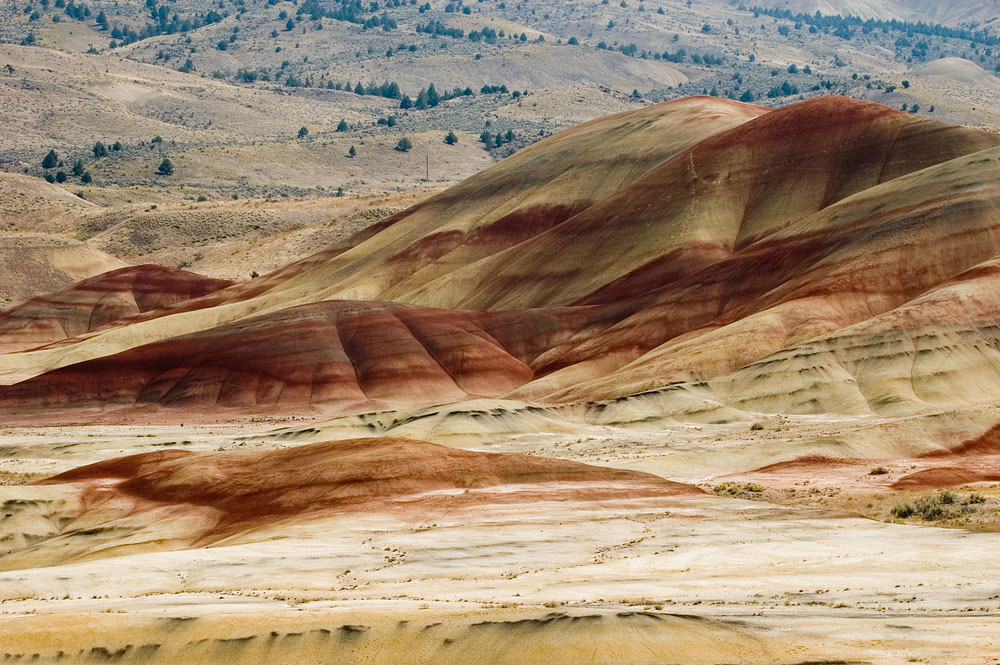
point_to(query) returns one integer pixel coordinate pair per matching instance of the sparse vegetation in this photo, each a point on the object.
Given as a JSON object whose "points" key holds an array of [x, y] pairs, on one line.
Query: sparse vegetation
{"points": [[943, 505], [745, 490], [275, 43], [903, 510]]}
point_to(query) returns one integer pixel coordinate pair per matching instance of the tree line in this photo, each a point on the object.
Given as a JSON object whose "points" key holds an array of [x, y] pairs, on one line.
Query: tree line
{"points": [[842, 25], [428, 97]]}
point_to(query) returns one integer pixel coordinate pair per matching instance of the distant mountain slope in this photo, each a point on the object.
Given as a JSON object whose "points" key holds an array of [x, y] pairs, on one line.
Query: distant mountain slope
{"points": [[929, 11], [960, 70], [31, 204], [35, 263]]}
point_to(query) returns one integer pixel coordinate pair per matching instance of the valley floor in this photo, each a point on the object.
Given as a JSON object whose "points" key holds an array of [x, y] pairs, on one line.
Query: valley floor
{"points": [[692, 578]]}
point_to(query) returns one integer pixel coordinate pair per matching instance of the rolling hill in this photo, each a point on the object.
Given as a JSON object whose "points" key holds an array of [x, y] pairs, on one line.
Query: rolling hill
{"points": [[740, 256]]}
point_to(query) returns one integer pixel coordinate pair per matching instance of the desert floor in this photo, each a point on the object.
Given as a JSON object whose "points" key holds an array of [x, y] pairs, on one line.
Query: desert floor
{"points": [[696, 578]]}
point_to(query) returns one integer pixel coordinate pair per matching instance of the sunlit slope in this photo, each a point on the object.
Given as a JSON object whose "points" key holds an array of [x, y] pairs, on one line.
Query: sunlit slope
{"points": [[32, 264], [862, 258], [521, 198], [961, 70], [724, 193]]}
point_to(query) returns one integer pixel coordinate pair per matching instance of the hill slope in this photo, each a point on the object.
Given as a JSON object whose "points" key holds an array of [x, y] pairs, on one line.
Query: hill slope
{"points": [[98, 302], [175, 499], [618, 257], [960, 70]]}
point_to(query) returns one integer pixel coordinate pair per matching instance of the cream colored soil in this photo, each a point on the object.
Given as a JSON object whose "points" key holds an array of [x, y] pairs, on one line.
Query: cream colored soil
{"points": [[752, 583], [723, 579]]}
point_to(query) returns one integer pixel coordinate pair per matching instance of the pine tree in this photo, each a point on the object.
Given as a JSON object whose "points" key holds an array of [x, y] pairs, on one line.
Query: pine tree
{"points": [[422, 100], [303, 132], [166, 168], [352, 152], [51, 160], [342, 126], [432, 96], [406, 103], [78, 168], [404, 145], [451, 138], [100, 150]]}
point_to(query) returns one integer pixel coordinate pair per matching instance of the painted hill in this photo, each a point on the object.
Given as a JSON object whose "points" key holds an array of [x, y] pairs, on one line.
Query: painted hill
{"points": [[175, 499], [98, 302], [339, 356], [701, 244]]}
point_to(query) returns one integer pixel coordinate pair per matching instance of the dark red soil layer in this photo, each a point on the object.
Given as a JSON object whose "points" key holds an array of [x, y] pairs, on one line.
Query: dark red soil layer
{"points": [[100, 301], [249, 488]]}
